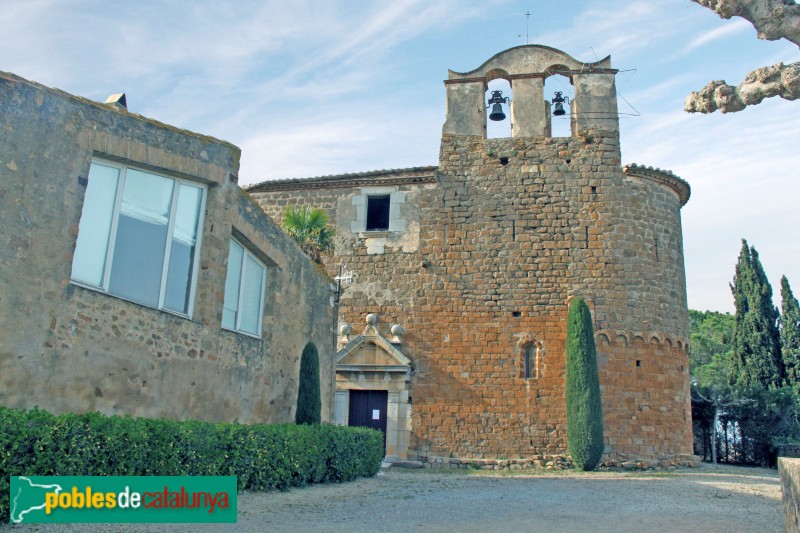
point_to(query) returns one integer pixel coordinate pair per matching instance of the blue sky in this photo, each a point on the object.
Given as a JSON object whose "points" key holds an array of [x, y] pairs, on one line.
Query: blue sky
{"points": [[310, 88]]}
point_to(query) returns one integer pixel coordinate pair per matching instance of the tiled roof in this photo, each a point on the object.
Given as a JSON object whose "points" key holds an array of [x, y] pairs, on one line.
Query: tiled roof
{"points": [[679, 185], [372, 177]]}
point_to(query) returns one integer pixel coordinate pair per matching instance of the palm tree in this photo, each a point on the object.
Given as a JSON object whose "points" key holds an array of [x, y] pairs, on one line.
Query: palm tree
{"points": [[309, 226]]}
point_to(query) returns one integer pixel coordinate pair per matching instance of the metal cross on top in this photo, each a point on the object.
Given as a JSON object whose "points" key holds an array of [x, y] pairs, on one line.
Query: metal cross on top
{"points": [[527, 27]]}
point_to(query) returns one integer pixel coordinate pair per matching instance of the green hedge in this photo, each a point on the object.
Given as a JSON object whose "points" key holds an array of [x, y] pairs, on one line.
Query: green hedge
{"points": [[263, 457]]}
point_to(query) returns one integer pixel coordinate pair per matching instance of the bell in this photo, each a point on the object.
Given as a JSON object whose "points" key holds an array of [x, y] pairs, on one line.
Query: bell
{"points": [[558, 104], [497, 113], [497, 100]]}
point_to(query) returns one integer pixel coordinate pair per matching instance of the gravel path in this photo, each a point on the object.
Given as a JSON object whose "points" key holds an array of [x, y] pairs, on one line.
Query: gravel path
{"points": [[707, 499]]}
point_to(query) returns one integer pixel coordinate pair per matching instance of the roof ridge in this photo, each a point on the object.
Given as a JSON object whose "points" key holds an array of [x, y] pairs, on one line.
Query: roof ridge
{"points": [[342, 177]]}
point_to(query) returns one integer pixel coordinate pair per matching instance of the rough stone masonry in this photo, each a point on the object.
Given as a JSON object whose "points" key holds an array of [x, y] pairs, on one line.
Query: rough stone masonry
{"points": [[69, 347], [479, 256]]}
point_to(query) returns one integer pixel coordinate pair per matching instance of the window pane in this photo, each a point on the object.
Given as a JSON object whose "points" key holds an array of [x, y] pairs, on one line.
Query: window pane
{"points": [[91, 249], [230, 307], [141, 237], [528, 362], [181, 254], [251, 296]]}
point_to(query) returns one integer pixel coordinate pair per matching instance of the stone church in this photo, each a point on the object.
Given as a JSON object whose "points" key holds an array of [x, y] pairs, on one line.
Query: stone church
{"points": [[451, 337]]}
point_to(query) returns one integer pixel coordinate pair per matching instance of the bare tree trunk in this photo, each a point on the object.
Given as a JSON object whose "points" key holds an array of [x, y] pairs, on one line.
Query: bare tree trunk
{"points": [[772, 19], [727, 438], [714, 436], [765, 82], [737, 428]]}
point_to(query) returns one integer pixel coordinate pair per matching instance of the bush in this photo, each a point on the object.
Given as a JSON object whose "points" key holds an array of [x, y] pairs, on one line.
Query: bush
{"points": [[263, 457], [584, 411], [309, 404]]}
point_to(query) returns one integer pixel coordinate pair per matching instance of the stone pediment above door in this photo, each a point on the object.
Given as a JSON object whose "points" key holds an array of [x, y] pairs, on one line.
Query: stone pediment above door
{"points": [[371, 351]]}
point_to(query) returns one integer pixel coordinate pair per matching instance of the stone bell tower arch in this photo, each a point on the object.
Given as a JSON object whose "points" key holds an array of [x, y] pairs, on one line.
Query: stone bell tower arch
{"points": [[594, 106]]}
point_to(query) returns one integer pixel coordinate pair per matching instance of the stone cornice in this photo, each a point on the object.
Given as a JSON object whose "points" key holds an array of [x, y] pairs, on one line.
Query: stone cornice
{"points": [[532, 58], [402, 176], [665, 177], [565, 72], [682, 343]]}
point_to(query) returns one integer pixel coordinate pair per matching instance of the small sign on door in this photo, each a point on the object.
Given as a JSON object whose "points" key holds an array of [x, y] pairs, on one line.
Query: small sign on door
{"points": [[376, 414]]}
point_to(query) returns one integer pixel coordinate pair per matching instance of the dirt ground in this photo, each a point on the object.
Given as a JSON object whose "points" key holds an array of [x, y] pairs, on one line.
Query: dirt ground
{"points": [[707, 499]]}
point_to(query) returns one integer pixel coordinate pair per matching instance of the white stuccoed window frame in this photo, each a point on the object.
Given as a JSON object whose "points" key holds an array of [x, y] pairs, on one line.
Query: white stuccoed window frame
{"points": [[396, 199]]}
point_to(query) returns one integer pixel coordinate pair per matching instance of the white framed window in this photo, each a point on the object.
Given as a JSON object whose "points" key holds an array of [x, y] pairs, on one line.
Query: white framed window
{"points": [[138, 237], [245, 282], [378, 209]]}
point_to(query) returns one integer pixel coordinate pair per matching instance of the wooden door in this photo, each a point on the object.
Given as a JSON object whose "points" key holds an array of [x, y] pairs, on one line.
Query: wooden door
{"points": [[368, 409]]}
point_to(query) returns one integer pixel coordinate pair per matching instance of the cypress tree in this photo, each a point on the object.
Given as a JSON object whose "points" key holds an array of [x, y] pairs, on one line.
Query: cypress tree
{"points": [[790, 335], [584, 411], [309, 404], [756, 340]]}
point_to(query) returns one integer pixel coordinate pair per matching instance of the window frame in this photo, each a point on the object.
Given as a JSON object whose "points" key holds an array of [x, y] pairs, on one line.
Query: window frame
{"points": [[246, 252], [530, 361], [108, 265]]}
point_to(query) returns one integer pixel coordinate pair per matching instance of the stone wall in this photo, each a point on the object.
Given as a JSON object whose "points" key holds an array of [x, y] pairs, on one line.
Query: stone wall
{"points": [[790, 492], [512, 229], [521, 225], [68, 348]]}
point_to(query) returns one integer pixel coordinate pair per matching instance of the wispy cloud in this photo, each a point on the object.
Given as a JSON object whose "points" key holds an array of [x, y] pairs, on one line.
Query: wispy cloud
{"points": [[311, 88], [742, 171], [334, 143], [706, 37], [622, 29]]}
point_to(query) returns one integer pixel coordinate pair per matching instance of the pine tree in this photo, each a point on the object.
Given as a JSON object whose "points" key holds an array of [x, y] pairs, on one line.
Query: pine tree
{"points": [[584, 411], [790, 335], [756, 342], [309, 404]]}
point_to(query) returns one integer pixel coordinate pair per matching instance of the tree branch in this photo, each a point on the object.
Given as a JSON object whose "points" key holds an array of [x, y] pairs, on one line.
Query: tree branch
{"points": [[765, 82], [772, 19]]}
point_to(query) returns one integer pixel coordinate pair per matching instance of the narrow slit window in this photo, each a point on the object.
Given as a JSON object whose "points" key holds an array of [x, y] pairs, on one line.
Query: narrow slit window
{"points": [[530, 362]]}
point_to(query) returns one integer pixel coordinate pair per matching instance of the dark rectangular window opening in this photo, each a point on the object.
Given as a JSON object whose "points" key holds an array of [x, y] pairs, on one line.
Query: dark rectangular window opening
{"points": [[530, 363], [378, 213], [527, 363]]}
